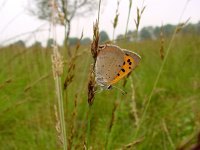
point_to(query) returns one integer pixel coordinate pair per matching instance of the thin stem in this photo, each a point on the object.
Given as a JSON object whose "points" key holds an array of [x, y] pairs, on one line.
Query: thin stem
{"points": [[99, 10], [129, 11], [57, 78], [88, 126], [113, 35], [61, 111], [168, 134]]}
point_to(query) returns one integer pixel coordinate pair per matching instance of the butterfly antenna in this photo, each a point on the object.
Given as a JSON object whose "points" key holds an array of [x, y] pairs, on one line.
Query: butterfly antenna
{"points": [[122, 91]]}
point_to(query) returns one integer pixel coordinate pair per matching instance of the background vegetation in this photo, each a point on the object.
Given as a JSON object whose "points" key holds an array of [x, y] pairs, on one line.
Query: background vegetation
{"points": [[162, 116], [28, 97]]}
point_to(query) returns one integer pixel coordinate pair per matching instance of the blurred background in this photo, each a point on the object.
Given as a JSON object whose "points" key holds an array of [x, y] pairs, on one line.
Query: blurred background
{"points": [[26, 18], [161, 108]]}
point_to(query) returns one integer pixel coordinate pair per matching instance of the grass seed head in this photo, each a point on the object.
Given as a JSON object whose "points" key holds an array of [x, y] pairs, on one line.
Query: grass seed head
{"points": [[181, 25], [57, 64], [162, 40], [91, 88], [94, 51]]}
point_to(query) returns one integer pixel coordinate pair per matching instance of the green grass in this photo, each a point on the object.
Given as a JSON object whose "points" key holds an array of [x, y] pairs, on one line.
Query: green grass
{"points": [[27, 117]]}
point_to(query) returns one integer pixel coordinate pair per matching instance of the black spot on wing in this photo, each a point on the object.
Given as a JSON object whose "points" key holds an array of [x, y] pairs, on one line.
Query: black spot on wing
{"points": [[123, 70], [128, 60], [130, 63]]}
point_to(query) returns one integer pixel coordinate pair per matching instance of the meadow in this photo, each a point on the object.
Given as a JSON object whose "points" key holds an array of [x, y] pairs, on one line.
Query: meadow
{"points": [[29, 119]]}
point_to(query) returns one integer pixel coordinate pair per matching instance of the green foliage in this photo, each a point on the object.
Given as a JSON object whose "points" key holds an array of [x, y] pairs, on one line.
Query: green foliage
{"points": [[151, 32], [145, 33], [27, 99], [103, 37], [50, 43], [19, 43], [38, 44], [73, 41], [85, 41]]}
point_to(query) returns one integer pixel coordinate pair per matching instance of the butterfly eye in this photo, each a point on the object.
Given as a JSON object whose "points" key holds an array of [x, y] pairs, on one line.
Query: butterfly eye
{"points": [[109, 87]]}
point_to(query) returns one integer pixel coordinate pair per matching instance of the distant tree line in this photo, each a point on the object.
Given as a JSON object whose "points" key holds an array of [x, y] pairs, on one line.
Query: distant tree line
{"points": [[151, 32], [146, 33]]}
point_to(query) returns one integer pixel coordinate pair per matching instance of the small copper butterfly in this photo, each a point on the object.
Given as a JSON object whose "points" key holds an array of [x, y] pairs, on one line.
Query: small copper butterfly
{"points": [[113, 63]]}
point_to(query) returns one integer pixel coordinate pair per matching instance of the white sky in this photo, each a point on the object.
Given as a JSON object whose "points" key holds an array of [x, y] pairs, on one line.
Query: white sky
{"points": [[16, 20]]}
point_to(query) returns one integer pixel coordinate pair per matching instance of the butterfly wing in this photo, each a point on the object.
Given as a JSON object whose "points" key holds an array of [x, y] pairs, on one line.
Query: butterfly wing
{"points": [[113, 64], [135, 56], [108, 64], [130, 62]]}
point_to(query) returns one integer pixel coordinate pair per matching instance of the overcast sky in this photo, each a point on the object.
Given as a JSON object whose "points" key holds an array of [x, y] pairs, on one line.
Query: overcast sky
{"points": [[16, 20]]}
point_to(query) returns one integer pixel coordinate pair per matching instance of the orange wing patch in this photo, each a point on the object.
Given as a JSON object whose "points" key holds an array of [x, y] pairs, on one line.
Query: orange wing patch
{"points": [[126, 68]]}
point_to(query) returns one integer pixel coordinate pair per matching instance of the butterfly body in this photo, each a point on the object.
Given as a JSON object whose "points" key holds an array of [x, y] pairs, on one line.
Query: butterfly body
{"points": [[113, 64]]}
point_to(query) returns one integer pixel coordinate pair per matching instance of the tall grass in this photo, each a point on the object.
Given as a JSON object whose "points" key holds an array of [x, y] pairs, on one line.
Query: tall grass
{"points": [[159, 111], [161, 67], [28, 115]]}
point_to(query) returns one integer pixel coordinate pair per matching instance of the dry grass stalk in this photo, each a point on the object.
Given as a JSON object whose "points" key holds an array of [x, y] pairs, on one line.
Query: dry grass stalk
{"points": [[21, 53], [57, 63], [133, 105], [70, 72], [5, 83], [162, 40], [58, 130], [129, 11], [59, 15], [167, 133], [181, 25], [57, 67], [132, 144], [113, 116], [15, 105], [187, 144], [112, 121], [94, 50], [82, 138], [95, 42], [197, 145], [115, 19], [139, 15], [28, 87], [91, 88], [72, 128]]}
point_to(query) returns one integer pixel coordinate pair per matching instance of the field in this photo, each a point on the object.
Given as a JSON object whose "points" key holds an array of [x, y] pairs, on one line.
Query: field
{"points": [[171, 120]]}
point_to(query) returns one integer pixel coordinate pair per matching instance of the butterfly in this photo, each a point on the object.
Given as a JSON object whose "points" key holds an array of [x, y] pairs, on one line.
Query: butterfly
{"points": [[113, 64]]}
